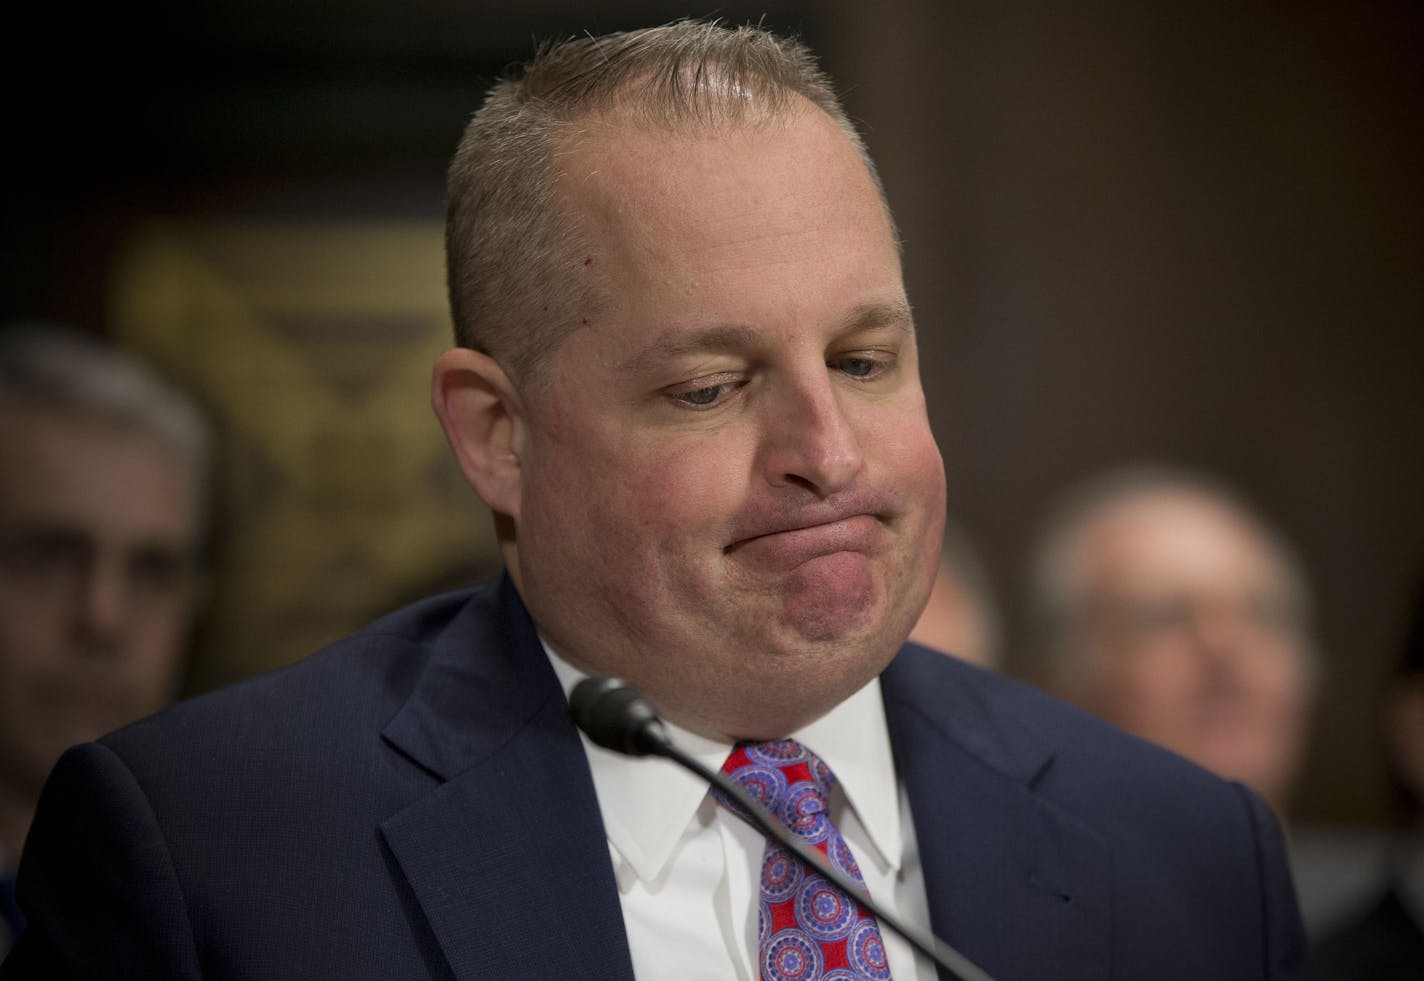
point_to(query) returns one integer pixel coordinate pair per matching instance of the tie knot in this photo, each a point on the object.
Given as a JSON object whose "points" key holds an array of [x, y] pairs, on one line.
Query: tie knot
{"points": [[787, 779]]}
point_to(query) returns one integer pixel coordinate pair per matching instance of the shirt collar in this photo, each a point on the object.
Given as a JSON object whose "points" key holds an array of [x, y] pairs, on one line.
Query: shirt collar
{"points": [[648, 803]]}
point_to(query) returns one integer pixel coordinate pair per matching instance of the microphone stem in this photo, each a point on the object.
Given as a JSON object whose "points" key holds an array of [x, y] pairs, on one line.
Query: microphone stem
{"points": [[926, 943]]}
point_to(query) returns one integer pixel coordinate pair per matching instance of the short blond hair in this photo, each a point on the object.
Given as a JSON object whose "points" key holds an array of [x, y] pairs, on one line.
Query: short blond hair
{"points": [[512, 253]]}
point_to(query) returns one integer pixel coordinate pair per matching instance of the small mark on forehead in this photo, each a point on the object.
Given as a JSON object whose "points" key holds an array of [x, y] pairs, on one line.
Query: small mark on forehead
{"points": [[588, 260]]}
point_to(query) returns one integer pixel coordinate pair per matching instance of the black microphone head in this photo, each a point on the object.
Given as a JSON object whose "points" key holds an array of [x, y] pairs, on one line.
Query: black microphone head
{"points": [[616, 717]]}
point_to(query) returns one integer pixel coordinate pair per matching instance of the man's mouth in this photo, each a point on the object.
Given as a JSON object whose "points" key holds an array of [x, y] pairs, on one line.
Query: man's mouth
{"points": [[795, 543]]}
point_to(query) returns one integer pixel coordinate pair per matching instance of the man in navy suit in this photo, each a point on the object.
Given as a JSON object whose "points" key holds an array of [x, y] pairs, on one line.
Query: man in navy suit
{"points": [[686, 385]]}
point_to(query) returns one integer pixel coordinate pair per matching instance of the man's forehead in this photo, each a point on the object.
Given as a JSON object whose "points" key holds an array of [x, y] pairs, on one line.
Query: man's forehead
{"points": [[669, 222], [66, 433], [657, 199], [1182, 539], [50, 458]]}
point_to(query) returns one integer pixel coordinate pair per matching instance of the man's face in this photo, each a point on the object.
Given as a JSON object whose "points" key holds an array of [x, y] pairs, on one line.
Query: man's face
{"points": [[1187, 637], [98, 527], [730, 493]]}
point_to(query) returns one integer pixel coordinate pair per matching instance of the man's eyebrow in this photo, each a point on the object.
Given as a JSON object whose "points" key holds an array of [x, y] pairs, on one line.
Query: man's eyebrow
{"points": [[868, 316], [43, 531], [673, 344]]}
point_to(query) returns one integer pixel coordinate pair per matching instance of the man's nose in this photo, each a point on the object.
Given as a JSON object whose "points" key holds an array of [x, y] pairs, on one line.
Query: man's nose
{"points": [[811, 439], [1226, 638], [104, 604]]}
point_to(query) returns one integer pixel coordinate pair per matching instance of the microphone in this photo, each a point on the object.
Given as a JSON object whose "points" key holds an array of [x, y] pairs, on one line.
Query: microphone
{"points": [[616, 717]]}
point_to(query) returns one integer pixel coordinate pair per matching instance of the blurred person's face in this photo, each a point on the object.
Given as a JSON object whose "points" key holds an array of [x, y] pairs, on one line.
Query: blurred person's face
{"points": [[1186, 635], [98, 527], [956, 622], [726, 487]]}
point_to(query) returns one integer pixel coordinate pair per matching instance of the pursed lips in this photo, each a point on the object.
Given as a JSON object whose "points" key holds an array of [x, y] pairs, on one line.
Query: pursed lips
{"points": [[799, 542]]}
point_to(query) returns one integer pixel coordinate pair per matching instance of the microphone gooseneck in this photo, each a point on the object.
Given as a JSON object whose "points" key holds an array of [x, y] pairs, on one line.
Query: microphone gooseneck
{"points": [[616, 717]]}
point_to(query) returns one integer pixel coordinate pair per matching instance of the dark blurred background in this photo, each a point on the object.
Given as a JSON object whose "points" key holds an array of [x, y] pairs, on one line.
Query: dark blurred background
{"points": [[1188, 231]]}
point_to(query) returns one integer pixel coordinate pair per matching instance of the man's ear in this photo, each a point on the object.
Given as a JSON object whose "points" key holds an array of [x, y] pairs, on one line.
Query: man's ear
{"points": [[484, 422]]}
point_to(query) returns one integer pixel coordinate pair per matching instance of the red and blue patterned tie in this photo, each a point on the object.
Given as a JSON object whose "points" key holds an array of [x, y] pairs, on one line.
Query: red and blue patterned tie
{"points": [[807, 928]]}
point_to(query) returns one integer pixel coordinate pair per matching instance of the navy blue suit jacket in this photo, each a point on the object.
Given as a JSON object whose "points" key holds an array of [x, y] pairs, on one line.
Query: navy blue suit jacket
{"points": [[413, 802]]}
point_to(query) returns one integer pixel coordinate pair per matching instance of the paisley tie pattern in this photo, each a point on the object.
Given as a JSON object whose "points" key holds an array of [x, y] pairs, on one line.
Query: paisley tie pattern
{"points": [[807, 928]]}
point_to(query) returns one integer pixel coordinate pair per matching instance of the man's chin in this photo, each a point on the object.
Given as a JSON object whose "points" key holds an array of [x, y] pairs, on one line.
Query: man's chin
{"points": [[830, 599]]}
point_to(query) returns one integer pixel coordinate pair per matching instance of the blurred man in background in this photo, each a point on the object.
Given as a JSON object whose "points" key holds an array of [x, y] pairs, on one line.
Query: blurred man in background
{"points": [[1163, 604], [961, 616], [102, 482]]}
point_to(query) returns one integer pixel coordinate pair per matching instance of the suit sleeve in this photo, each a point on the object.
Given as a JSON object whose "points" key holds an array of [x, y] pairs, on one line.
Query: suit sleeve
{"points": [[97, 882], [1286, 951]]}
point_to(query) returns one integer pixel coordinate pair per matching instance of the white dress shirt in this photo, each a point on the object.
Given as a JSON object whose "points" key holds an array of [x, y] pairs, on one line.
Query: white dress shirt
{"points": [[689, 872]]}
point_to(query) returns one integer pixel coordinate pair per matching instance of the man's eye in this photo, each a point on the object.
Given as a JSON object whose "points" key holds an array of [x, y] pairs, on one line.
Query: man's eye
{"points": [[704, 396], [1158, 616], [859, 367], [158, 570], [45, 556]]}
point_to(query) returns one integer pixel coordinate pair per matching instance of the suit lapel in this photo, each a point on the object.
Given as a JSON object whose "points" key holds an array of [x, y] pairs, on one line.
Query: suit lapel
{"points": [[512, 836], [1013, 883], [506, 858]]}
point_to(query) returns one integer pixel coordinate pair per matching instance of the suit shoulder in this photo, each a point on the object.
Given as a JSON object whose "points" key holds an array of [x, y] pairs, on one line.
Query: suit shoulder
{"points": [[979, 706]]}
